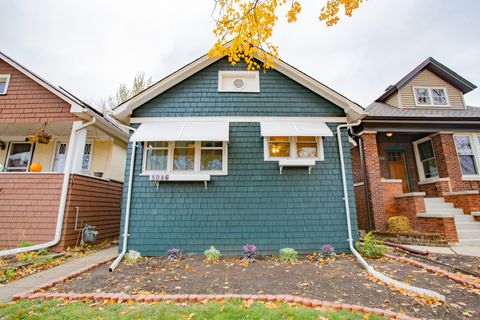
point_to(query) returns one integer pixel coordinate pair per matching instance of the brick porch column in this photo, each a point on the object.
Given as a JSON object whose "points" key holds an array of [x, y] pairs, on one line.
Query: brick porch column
{"points": [[373, 180], [447, 160]]}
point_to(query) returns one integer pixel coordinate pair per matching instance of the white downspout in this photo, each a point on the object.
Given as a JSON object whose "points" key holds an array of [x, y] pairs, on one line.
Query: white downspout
{"points": [[127, 206], [63, 197], [369, 268]]}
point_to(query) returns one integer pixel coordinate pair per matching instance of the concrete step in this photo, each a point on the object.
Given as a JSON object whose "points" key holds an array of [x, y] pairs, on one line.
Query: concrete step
{"points": [[467, 226], [439, 205], [468, 234], [434, 200], [451, 211], [463, 218], [469, 243]]}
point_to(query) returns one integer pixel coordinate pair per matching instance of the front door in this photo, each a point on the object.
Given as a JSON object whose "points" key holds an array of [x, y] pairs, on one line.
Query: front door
{"points": [[398, 168]]}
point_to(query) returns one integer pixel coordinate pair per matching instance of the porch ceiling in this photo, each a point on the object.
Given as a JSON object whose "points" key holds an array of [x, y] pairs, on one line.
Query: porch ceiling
{"points": [[25, 129]]}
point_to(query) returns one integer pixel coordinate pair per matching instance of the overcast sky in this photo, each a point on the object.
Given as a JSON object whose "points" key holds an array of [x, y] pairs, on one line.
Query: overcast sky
{"points": [[89, 47]]}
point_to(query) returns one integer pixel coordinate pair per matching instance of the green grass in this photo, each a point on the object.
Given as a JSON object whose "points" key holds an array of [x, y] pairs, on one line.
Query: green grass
{"points": [[56, 309]]}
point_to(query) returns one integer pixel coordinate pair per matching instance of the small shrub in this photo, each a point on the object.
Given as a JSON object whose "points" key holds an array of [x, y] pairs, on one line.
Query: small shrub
{"points": [[371, 247], [10, 274], [24, 244], [212, 255], [249, 252], [132, 256], [43, 252], [399, 224], [25, 257], [288, 255], [174, 254]]}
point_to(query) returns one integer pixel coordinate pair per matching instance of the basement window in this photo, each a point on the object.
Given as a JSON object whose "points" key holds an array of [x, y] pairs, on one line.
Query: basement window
{"points": [[4, 82]]}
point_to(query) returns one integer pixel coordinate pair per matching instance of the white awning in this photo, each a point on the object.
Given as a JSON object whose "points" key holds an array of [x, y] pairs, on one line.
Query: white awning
{"points": [[310, 128], [182, 131]]}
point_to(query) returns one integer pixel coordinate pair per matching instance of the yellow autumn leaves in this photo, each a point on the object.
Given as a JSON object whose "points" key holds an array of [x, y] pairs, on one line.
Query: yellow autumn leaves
{"points": [[243, 28]]}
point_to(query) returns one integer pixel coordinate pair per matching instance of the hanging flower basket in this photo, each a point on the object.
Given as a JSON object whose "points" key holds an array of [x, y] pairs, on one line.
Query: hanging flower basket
{"points": [[41, 137]]}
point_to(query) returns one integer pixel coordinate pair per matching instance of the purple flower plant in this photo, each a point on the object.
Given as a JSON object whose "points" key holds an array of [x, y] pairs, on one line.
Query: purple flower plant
{"points": [[174, 254], [249, 251], [328, 250]]}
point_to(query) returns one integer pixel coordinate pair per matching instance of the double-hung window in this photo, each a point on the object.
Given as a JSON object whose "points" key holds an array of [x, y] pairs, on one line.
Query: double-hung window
{"points": [[468, 149], [190, 157], [302, 147], [426, 162], [425, 96]]}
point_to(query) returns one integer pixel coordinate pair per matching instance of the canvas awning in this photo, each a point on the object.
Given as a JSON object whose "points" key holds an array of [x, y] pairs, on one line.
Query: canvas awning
{"points": [[310, 128], [182, 131]]}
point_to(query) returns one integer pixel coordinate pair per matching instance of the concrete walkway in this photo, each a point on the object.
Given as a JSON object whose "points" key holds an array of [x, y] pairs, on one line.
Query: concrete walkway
{"points": [[461, 250], [36, 279]]}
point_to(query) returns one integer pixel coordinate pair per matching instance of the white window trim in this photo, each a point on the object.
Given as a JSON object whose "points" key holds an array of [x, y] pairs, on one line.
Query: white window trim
{"points": [[10, 150], [429, 90], [476, 155], [421, 172], [6, 76], [196, 171], [293, 149], [255, 75]]}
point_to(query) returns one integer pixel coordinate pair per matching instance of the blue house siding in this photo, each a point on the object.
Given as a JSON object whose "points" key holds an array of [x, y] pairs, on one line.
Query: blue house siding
{"points": [[252, 204], [199, 96]]}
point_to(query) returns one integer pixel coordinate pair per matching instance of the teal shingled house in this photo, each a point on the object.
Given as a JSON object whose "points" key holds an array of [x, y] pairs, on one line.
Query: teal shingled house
{"points": [[223, 156]]}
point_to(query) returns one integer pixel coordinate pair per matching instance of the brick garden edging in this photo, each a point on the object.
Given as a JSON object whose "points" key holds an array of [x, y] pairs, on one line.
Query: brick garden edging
{"points": [[35, 293], [433, 269]]}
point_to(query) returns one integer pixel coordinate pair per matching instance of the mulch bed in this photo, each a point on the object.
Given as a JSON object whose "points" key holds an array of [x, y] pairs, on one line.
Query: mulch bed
{"points": [[343, 280]]}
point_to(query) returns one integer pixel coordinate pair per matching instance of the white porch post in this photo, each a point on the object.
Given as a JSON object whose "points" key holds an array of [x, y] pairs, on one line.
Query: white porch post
{"points": [[76, 148]]}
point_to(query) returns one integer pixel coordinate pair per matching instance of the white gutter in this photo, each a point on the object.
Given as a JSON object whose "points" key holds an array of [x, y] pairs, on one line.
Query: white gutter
{"points": [[127, 206], [370, 269], [63, 198]]}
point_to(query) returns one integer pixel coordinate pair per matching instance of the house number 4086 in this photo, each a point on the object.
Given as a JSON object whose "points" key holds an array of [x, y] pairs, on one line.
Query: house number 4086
{"points": [[159, 177]]}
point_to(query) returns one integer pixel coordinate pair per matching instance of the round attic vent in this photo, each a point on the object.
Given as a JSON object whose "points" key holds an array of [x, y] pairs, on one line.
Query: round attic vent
{"points": [[239, 83]]}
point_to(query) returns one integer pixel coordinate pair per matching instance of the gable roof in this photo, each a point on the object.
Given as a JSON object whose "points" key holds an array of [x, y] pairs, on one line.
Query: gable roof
{"points": [[77, 105], [123, 111], [439, 70]]}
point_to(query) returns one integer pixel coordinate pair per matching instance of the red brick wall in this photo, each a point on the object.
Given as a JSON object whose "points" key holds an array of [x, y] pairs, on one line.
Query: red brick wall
{"points": [[28, 102], [356, 164], [390, 190], [361, 206], [468, 202], [28, 207], [444, 226], [409, 207], [372, 168]]}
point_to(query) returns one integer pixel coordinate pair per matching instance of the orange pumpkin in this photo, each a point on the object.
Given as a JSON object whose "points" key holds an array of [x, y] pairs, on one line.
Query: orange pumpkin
{"points": [[35, 167]]}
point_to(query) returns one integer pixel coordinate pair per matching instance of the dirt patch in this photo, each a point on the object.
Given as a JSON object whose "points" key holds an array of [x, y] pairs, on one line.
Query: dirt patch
{"points": [[343, 280]]}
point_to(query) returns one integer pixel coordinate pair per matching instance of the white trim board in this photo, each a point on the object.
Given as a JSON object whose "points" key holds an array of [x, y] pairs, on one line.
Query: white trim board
{"points": [[238, 119], [123, 111]]}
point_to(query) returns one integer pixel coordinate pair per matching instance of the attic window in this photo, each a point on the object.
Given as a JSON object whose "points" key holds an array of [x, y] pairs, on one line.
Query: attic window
{"points": [[238, 81], [4, 81], [425, 96]]}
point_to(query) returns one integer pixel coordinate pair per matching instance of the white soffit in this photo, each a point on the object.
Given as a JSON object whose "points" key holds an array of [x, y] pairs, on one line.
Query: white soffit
{"points": [[295, 129], [182, 131]]}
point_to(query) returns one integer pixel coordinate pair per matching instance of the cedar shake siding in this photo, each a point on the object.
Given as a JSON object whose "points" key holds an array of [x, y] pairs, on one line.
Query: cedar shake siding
{"points": [[28, 102], [253, 203]]}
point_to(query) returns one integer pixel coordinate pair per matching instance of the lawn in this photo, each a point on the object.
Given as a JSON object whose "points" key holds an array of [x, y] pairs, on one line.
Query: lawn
{"points": [[236, 309]]}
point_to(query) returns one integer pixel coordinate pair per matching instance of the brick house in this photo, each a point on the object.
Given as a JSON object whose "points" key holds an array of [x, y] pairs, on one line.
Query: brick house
{"points": [[417, 154], [77, 154], [222, 156]]}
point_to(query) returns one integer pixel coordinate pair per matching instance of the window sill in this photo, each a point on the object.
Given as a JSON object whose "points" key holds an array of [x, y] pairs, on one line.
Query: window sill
{"points": [[432, 180], [296, 163], [168, 176], [471, 178]]}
